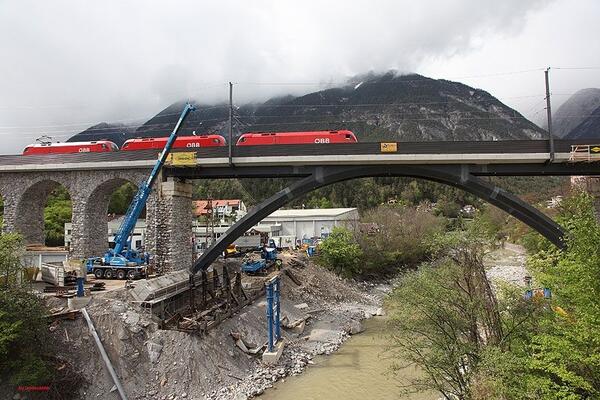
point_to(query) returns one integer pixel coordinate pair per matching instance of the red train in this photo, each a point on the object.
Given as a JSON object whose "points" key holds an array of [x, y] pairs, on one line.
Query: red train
{"points": [[99, 146], [314, 137], [182, 142], [192, 142]]}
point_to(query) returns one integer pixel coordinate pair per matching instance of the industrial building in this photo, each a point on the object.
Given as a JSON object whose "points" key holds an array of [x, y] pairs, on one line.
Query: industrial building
{"points": [[310, 223], [286, 227]]}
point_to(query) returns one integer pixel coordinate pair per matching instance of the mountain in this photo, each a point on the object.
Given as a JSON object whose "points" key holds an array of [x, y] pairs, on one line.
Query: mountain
{"points": [[376, 107], [574, 112], [589, 128], [116, 133]]}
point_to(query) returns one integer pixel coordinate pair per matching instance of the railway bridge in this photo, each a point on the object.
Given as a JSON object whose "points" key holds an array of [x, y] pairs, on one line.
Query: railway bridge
{"points": [[26, 181]]}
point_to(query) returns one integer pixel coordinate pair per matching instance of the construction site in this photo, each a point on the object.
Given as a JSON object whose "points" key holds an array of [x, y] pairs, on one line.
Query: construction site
{"points": [[226, 328], [163, 340]]}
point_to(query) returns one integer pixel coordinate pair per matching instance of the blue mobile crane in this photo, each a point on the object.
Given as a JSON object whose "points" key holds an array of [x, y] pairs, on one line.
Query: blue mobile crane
{"points": [[122, 261]]}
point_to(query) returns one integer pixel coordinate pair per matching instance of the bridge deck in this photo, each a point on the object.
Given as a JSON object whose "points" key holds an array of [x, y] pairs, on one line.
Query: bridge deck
{"points": [[508, 151]]}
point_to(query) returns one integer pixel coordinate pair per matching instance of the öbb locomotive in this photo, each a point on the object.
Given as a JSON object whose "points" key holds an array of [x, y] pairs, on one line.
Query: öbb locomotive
{"points": [[192, 142]]}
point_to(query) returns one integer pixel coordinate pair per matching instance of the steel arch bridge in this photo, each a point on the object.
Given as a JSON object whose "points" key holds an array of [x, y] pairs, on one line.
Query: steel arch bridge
{"points": [[459, 176]]}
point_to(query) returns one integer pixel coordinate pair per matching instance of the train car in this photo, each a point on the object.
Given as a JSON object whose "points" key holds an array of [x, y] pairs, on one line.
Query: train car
{"points": [[100, 146], [182, 142], [312, 137]]}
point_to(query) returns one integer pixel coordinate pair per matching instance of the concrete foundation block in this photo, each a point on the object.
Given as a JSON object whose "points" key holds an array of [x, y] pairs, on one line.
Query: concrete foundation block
{"points": [[77, 303], [272, 357]]}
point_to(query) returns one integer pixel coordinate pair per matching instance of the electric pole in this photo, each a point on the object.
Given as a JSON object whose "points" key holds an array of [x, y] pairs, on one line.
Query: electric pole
{"points": [[230, 121], [549, 113]]}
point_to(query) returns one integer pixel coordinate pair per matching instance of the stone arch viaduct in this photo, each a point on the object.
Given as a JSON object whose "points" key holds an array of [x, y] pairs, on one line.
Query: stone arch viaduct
{"points": [[25, 195], [25, 183]]}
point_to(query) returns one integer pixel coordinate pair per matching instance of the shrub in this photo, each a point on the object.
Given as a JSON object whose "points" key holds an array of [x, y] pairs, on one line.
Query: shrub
{"points": [[340, 253], [398, 240]]}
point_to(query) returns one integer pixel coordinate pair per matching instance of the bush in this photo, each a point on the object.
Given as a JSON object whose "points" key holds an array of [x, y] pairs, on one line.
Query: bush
{"points": [[28, 353], [23, 338], [443, 315], [11, 249], [398, 239], [340, 253], [556, 355]]}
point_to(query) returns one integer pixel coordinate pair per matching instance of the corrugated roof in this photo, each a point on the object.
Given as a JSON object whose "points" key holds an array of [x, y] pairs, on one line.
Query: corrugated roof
{"points": [[311, 212]]}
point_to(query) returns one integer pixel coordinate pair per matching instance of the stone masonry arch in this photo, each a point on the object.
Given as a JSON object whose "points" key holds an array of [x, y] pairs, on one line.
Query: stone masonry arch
{"points": [[90, 210], [29, 202], [25, 195]]}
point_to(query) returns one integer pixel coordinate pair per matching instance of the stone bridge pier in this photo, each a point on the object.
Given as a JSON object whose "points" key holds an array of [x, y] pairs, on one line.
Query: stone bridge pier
{"points": [[169, 225], [168, 211]]}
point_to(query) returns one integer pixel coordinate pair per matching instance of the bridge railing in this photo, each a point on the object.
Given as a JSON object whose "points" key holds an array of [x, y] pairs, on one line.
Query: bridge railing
{"points": [[585, 153]]}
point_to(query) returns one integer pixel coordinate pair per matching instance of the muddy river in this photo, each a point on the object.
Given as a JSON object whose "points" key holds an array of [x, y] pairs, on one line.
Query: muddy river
{"points": [[358, 371]]}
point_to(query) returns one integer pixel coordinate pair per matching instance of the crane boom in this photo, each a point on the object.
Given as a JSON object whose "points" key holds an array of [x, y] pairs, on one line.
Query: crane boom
{"points": [[122, 237]]}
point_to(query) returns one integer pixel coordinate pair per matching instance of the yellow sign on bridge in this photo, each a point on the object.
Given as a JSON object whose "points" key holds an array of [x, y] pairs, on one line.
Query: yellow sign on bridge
{"points": [[389, 147], [184, 159]]}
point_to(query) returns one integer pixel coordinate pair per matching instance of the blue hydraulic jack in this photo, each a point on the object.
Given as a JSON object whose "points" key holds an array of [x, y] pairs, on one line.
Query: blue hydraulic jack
{"points": [[80, 291], [273, 320], [274, 344]]}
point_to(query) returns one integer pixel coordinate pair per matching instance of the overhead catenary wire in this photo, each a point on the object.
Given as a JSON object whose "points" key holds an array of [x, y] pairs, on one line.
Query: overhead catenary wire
{"points": [[316, 120], [401, 81], [138, 119], [358, 105], [74, 126]]}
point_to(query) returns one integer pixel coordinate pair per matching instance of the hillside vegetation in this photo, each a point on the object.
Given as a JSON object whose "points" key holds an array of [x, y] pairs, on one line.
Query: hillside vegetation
{"points": [[470, 341]]}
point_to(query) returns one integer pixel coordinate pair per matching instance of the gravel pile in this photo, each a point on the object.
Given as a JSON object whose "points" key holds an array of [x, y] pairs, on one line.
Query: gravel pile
{"points": [[507, 265], [168, 365]]}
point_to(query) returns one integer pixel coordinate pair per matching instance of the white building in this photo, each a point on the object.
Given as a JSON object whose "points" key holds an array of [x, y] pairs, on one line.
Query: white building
{"points": [[285, 226], [311, 223]]}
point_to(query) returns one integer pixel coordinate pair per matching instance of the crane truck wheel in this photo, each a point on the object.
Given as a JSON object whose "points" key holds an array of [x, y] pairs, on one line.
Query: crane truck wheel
{"points": [[108, 274], [121, 274], [98, 273]]}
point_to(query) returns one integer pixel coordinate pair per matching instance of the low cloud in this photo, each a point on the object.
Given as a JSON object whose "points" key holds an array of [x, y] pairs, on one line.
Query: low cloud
{"points": [[69, 64]]}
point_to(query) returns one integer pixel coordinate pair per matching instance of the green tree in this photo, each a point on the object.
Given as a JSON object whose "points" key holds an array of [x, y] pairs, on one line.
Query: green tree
{"points": [[23, 328], [397, 239], [29, 354], [1, 212], [557, 355], [121, 199], [11, 250], [340, 252], [444, 315], [56, 213]]}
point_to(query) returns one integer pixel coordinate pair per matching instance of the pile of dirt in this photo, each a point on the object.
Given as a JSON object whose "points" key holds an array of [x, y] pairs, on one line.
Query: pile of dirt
{"points": [[317, 315]]}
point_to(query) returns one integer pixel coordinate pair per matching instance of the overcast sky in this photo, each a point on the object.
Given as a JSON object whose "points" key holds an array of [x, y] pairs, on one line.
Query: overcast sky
{"points": [[66, 65]]}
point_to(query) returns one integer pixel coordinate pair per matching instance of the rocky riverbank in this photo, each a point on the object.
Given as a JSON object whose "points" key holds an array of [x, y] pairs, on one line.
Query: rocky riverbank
{"points": [[507, 264], [318, 315]]}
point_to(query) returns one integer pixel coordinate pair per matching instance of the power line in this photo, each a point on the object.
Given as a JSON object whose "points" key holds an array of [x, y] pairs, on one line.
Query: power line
{"points": [[145, 118], [450, 99], [576, 68], [69, 106], [224, 106], [402, 81], [90, 130]]}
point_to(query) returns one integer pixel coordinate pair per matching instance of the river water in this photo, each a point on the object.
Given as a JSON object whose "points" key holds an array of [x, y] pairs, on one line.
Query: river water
{"points": [[358, 371]]}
